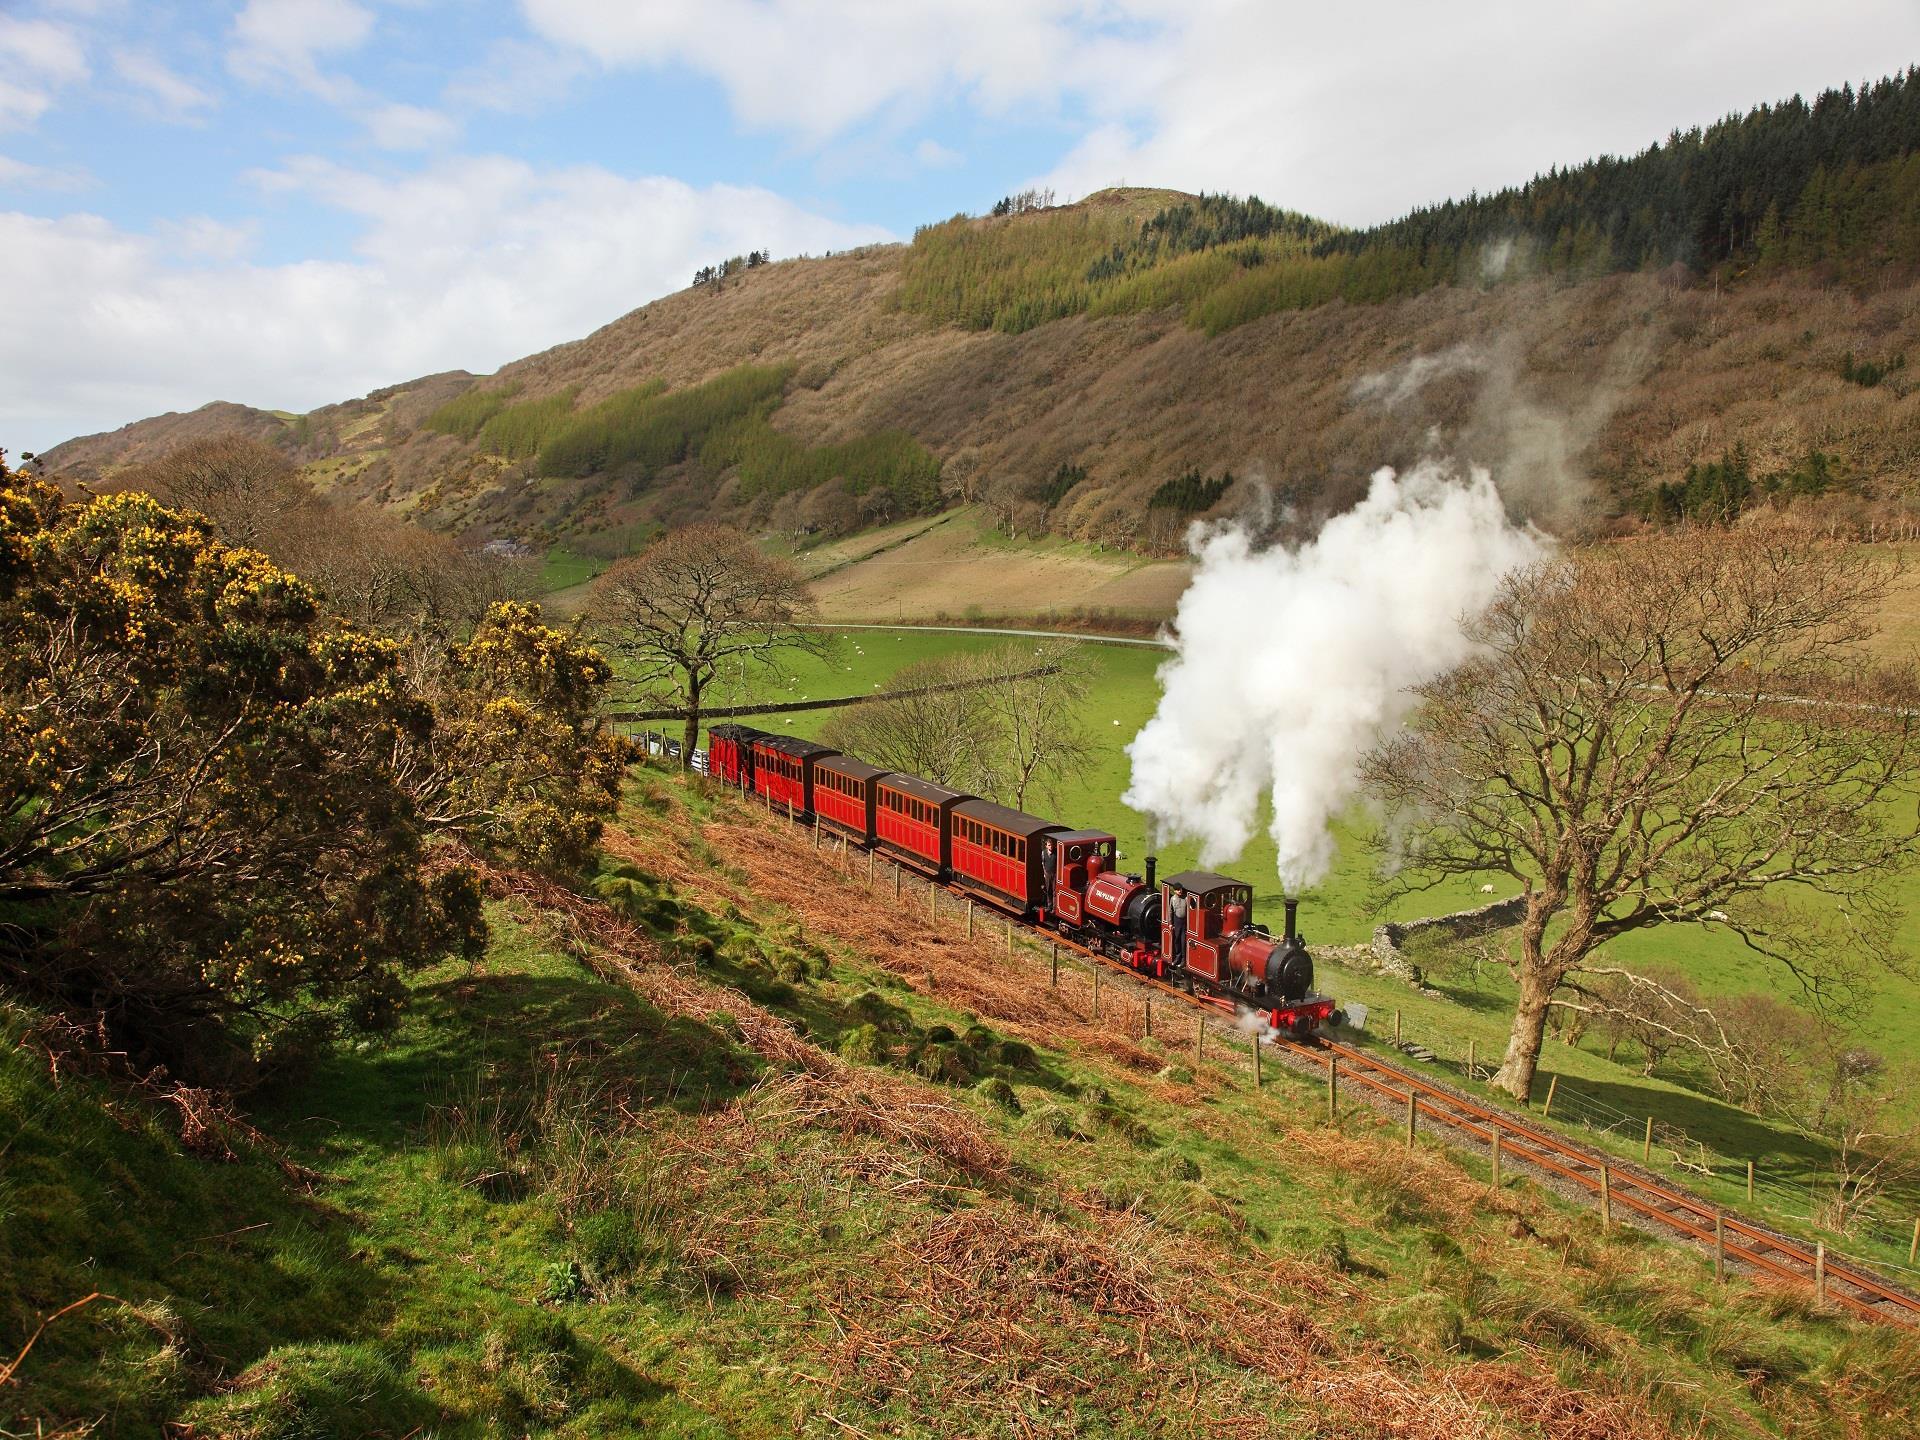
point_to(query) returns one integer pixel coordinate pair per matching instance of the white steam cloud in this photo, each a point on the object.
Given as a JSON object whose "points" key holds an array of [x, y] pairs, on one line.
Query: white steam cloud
{"points": [[1290, 663]]}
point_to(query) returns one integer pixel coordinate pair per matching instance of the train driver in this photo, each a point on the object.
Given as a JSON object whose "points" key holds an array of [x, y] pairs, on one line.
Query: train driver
{"points": [[1177, 917]]}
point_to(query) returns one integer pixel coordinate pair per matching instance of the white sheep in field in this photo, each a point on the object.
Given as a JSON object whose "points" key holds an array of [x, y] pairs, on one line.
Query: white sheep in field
{"points": [[1716, 915], [1486, 889]]}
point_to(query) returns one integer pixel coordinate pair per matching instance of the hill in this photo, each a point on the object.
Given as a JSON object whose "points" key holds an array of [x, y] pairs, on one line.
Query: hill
{"points": [[1743, 296], [733, 1146]]}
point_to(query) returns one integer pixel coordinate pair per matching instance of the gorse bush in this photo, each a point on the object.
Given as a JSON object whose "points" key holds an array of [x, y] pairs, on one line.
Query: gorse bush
{"points": [[215, 802]]}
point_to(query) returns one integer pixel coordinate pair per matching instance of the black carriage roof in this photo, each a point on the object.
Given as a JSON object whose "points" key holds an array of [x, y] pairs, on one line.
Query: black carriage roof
{"points": [[1069, 837], [793, 745], [736, 732], [923, 789], [847, 765], [1201, 882], [1014, 822]]}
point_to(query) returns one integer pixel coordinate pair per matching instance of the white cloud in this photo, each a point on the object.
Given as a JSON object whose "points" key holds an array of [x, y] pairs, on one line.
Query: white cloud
{"points": [[408, 127], [820, 67], [172, 95], [932, 155], [37, 58], [518, 77], [471, 263], [1298, 104], [283, 41], [18, 174]]}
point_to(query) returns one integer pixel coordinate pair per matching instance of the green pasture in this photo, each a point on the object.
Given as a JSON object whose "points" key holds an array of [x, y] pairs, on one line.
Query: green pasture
{"points": [[1612, 1099], [561, 569]]}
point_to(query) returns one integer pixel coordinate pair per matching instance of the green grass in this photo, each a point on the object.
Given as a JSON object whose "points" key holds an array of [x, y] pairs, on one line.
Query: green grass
{"points": [[1347, 906], [552, 1209], [562, 569]]}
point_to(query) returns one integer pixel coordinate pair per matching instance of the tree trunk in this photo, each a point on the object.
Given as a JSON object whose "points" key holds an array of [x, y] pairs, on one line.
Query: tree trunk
{"points": [[691, 737], [1515, 1075]]}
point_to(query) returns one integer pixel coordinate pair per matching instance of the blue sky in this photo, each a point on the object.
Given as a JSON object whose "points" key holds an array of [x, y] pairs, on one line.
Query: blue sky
{"points": [[290, 202]]}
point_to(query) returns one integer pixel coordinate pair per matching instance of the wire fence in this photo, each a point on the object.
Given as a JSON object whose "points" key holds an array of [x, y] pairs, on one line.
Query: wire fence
{"points": [[1670, 1149]]}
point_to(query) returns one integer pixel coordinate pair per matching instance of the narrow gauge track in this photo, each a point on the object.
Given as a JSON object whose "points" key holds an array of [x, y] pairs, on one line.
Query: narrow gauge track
{"points": [[1662, 1206]]}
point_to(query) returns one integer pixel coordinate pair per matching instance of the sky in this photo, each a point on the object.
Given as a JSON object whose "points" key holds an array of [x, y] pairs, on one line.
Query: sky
{"points": [[291, 202]]}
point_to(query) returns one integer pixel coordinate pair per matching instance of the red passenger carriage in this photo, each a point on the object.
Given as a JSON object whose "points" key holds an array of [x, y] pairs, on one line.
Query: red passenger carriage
{"points": [[997, 852], [843, 795], [730, 753], [910, 818], [783, 770]]}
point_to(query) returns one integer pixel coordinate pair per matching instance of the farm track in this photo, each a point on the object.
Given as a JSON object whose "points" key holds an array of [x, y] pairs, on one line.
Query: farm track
{"points": [[1622, 1190]]}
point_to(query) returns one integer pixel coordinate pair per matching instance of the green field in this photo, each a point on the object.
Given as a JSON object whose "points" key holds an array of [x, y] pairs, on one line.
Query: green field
{"points": [[1346, 907], [563, 568]]}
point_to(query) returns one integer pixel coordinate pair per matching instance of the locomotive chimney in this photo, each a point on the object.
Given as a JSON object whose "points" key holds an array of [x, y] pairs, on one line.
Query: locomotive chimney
{"points": [[1293, 907], [1153, 862]]}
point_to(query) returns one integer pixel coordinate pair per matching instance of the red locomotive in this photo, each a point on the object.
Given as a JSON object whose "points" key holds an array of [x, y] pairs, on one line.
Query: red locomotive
{"points": [[1195, 929]]}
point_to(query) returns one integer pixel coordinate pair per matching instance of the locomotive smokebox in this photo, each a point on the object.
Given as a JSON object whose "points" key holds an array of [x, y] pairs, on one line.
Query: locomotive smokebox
{"points": [[1293, 909]]}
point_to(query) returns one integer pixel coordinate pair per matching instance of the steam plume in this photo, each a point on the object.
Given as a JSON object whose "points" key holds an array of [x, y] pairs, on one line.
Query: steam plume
{"points": [[1289, 663]]}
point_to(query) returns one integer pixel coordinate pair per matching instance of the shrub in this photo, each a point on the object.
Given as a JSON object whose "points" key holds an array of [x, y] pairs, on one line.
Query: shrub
{"points": [[261, 877]]}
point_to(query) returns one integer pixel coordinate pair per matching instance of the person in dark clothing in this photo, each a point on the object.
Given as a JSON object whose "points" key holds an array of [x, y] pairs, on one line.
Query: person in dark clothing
{"points": [[1177, 917]]}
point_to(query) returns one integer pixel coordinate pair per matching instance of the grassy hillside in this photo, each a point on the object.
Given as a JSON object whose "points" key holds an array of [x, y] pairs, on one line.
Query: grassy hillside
{"points": [[735, 1150], [1594, 335]]}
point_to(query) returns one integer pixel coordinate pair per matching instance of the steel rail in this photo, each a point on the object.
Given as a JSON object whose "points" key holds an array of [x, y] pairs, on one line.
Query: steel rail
{"points": [[1627, 1187], [1579, 1165]]}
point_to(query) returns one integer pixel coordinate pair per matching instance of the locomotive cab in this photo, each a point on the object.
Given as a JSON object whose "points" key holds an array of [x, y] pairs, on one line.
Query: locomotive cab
{"points": [[1087, 891], [1210, 939]]}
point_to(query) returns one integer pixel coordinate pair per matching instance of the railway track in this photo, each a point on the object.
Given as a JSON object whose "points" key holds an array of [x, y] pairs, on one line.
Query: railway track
{"points": [[1621, 1190]]}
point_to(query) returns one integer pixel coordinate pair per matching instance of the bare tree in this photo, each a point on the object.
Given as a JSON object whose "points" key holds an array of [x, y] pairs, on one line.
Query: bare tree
{"points": [[694, 602], [1011, 721], [1657, 731], [937, 734], [1036, 730], [251, 491]]}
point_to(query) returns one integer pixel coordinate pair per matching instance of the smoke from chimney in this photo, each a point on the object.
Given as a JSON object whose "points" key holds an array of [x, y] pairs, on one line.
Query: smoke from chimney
{"points": [[1290, 662]]}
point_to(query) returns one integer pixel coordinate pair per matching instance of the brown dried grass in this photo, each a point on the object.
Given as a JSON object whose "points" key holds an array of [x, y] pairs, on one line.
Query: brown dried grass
{"points": [[815, 1087]]}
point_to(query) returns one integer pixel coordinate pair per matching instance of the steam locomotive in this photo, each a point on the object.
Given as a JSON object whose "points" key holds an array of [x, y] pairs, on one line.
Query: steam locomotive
{"points": [[1194, 929]]}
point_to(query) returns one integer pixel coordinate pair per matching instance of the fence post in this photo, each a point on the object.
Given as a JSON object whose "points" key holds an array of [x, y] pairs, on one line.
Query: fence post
{"points": [[1913, 1250], [1146, 1022], [1547, 1109], [1820, 1272], [1719, 1246], [872, 856], [933, 903], [969, 919], [1413, 1112], [1749, 1182], [1496, 1157], [790, 812], [1199, 1037], [1471, 1067], [1333, 1088], [1396, 1027], [1257, 1082], [1054, 947], [1646, 1150], [816, 838], [1009, 937], [1606, 1197], [1096, 990], [896, 879]]}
